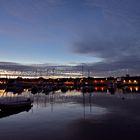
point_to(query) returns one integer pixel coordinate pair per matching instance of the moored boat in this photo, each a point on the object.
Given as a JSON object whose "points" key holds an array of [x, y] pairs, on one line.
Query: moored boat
{"points": [[13, 105], [112, 87], [7, 112]]}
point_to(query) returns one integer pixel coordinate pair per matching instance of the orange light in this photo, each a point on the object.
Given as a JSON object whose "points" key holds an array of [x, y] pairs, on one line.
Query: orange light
{"points": [[135, 81], [69, 83], [124, 81], [129, 81]]}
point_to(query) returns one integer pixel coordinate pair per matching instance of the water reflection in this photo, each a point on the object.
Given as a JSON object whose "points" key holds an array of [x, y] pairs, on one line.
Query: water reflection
{"points": [[67, 89], [72, 115]]}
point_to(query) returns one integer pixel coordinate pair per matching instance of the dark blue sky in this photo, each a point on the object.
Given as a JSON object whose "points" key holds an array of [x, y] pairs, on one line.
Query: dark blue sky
{"points": [[104, 33], [41, 31]]}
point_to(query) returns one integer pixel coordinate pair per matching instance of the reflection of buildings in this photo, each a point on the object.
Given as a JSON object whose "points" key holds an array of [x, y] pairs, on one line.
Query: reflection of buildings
{"points": [[94, 84], [101, 84], [131, 83]]}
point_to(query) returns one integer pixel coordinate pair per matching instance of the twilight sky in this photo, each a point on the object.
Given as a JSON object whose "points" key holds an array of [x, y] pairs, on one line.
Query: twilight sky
{"points": [[103, 33]]}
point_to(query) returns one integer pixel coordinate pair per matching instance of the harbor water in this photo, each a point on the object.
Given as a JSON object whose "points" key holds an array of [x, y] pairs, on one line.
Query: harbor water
{"points": [[73, 116]]}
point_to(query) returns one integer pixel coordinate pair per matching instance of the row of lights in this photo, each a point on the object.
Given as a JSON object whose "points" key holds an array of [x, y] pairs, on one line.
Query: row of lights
{"points": [[101, 88], [129, 81], [132, 89], [100, 81]]}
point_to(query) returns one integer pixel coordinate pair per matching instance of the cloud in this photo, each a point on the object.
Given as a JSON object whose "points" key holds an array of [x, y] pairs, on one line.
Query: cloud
{"points": [[28, 10], [109, 48], [28, 20], [117, 39], [10, 66], [123, 11], [111, 31]]}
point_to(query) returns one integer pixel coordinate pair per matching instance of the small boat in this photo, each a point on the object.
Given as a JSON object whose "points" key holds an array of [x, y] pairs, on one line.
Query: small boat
{"points": [[13, 105], [87, 89], [14, 87], [6, 113]]}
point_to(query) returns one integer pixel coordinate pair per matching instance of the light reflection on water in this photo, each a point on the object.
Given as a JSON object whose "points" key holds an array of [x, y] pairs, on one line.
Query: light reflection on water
{"points": [[70, 115]]}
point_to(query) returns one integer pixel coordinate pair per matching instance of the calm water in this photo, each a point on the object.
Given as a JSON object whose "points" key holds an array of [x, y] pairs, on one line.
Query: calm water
{"points": [[75, 116]]}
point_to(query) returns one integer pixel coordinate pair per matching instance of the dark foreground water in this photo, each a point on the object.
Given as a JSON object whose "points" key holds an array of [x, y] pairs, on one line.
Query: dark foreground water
{"points": [[75, 116]]}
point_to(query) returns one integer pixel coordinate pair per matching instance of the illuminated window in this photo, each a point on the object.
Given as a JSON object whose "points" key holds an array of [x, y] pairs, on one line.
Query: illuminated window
{"points": [[135, 81], [102, 88], [129, 81]]}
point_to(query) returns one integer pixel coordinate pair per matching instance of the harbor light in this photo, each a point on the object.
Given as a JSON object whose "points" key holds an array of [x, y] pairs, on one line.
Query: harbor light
{"points": [[131, 89], [124, 81], [136, 88], [102, 88]]}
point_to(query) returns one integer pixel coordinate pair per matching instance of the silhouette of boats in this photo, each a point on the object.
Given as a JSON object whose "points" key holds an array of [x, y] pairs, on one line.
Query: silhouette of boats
{"points": [[64, 89], [14, 87], [87, 89], [112, 87], [15, 105], [13, 111]]}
